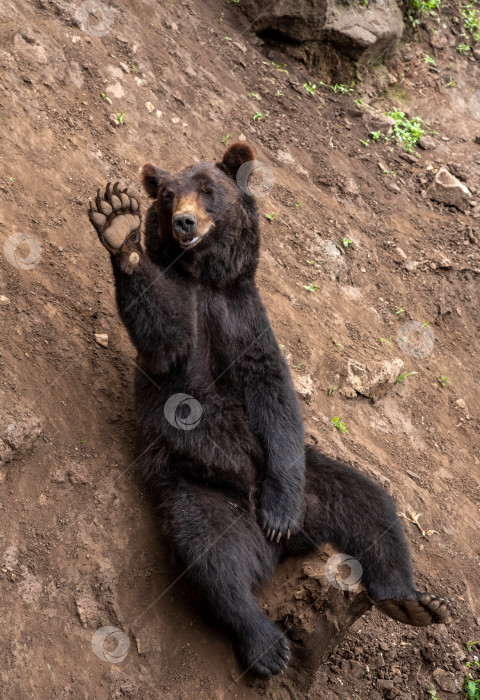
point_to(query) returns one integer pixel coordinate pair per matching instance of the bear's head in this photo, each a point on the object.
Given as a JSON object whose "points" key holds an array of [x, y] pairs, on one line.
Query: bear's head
{"points": [[202, 220]]}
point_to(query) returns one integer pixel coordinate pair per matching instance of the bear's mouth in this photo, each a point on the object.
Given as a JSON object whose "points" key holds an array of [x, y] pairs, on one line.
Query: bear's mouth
{"points": [[189, 242]]}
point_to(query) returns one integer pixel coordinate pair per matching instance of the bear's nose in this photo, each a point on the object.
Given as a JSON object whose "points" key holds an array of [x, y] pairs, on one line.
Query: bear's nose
{"points": [[184, 224]]}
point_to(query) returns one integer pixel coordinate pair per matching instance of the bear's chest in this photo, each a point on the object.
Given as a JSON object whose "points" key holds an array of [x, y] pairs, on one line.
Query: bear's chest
{"points": [[222, 332]]}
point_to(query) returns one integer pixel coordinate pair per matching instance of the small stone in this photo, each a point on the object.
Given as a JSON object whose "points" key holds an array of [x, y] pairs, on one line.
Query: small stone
{"points": [[427, 143], [113, 120], [303, 384], [410, 265], [447, 189], [175, 120], [446, 681], [4, 300], [400, 253], [242, 137], [477, 139], [102, 339], [124, 67], [149, 106], [461, 403]]}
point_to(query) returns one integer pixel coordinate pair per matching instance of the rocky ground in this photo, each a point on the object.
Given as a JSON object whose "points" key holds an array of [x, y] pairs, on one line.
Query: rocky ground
{"points": [[366, 275]]}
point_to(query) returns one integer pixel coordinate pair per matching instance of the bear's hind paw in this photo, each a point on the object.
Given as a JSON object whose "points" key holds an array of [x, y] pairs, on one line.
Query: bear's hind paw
{"points": [[115, 216], [425, 609]]}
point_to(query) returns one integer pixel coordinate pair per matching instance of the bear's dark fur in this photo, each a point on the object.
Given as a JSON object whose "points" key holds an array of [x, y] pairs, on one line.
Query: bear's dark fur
{"points": [[236, 487]]}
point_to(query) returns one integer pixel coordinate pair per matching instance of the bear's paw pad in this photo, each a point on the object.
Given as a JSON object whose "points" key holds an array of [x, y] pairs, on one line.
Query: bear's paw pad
{"points": [[425, 609], [115, 216]]}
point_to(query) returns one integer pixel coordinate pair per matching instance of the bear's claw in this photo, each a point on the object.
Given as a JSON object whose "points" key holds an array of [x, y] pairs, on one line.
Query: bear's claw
{"points": [[425, 609], [115, 216]]}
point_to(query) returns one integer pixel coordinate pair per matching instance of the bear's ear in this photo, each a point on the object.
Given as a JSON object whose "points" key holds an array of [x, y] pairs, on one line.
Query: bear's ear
{"points": [[152, 178], [235, 156]]}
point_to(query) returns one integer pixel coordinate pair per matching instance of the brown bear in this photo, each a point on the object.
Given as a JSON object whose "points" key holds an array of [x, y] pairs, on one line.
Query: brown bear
{"points": [[223, 450]]}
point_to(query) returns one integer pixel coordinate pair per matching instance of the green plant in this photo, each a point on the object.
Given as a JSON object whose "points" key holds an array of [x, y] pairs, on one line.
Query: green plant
{"points": [[408, 131], [463, 49], [253, 95], [226, 139], [444, 380], [310, 262], [342, 89], [470, 645], [377, 135], [228, 38], [134, 68], [470, 20], [279, 93], [271, 216], [280, 68], [433, 694], [346, 242], [298, 205], [471, 688], [418, 8], [429, 60], [386, 340], [310, 88], [451, 82], [399, 311], [257, 116], [332, 389], [364, 143], [106, 98], [403, 376], [121, 117], [359, 102], [337, 345], [312, 287], [297, 366], [339, 424]]}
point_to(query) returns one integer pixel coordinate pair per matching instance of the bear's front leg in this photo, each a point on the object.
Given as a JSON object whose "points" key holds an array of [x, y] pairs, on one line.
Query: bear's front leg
{"points": [[155, 310], [116, 218]]}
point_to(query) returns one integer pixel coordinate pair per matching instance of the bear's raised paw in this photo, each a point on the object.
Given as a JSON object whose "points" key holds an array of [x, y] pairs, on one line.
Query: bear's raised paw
{"points": [[425, 609], [115, 216]]}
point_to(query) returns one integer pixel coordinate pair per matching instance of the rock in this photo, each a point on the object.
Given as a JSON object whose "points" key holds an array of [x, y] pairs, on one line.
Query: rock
{"points": [[410, 265], [392, 186], [113, 120], [446, 681], [427, 143], [348, 392], [124, 67], [459, 170], [303, 384], [101, 339], [4, 301], [447, 189], [359, 33], [149, 106], [477, 139], [376, 121], [374, 378], [461, 403], [331, 260], [409, 158], [17, 435], [400, 253]]}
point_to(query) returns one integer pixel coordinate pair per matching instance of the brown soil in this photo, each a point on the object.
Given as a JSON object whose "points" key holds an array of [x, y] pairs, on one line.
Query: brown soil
{"points": [[79, 546]]}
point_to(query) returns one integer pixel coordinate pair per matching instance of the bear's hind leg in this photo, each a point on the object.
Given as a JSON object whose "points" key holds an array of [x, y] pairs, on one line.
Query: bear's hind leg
{"points": [[360, 518], [226, 556]]}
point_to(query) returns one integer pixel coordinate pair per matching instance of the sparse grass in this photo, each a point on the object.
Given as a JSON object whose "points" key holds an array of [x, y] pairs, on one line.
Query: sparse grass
{"points": [[332, 389], [279, 93], [471, 685], [451, 82], [463, 49], [310, 88], [406, 130], [471, 22], [419, 8], [429, 61], [388, 341], [258, 116], [444, 381], [432, 693], [377, 135], [346, 242], [121, 117], [271, 215], [105, 98], [337, 345], [364, 143], [403, 376], [281, 69], [339, 424], [253, 95], [226, 139], [341, 89], [311, 287], [399, 311]]}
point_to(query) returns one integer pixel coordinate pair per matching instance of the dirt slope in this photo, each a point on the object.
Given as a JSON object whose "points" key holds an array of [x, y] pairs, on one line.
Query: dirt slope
{"points": [[79, 547]]}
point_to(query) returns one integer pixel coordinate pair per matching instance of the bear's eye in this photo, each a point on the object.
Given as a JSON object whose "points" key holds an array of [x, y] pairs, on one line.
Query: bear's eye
{"points": [[167, 195], [206, 189]]}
